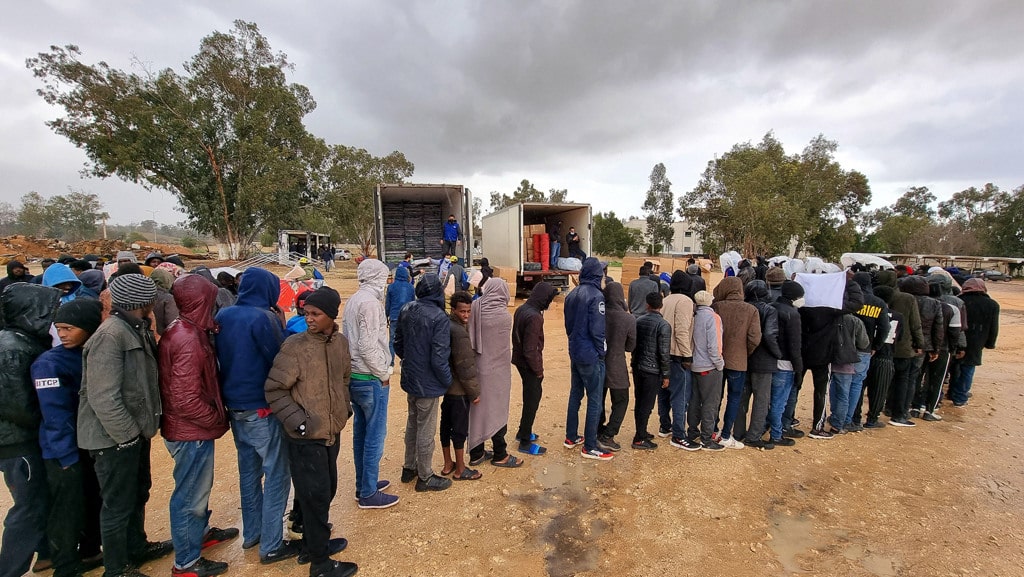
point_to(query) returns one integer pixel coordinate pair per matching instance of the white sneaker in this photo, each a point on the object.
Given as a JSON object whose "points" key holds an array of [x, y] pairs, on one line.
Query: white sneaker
{"points": [[731, 443]]}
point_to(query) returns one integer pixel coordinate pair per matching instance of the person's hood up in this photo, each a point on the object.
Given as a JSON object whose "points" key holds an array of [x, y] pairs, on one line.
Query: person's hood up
{"points": [[162, 278], [196, 298], [756, 291], [944, 281], [974, 285], [614, 297], [863, 279], [93, 279], [205, 273], [730, 289], [58, 273], [258, 288], [402, 274], [429, 289], [542, 295], [681, 283], [915, 284], [885, 292], [886, 278], [373, 273], [153, 255], [592, 273], [13, 265], [29, 308]]}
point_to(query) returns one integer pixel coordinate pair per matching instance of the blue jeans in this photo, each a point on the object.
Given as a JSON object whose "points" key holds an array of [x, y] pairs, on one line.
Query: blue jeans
{"points": [[391, 343], [25, 524], [961, 385], [857, 384], [782, 385], [555, 248], [190, 500], [735, 381], [587, 379], [370, 426], [263, 478], [839, 395], [680, 386]]}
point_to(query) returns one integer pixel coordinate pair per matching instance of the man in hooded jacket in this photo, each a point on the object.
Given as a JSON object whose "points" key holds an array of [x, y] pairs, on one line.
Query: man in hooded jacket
{"points": [[27, 312], [933, 328], [741, 328], [16, 272], [423, 341], [672, 402], [585, 328], [528, 358], [620, 335], [906, 348], [761, 367], [982, 330], [365, 327], [399, 293], [875, 317]]}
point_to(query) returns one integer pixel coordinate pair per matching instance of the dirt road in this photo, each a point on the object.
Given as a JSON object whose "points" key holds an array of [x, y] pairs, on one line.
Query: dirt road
{"points": [[939, 499]]}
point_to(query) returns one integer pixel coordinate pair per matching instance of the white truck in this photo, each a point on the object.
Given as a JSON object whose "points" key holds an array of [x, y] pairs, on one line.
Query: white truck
{"points": [[411, 217], [507, 239]]}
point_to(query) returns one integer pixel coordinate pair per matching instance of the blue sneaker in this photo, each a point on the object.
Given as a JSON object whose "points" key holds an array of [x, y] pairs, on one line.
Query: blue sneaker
{"points": [[381, 485], [378, 500]]}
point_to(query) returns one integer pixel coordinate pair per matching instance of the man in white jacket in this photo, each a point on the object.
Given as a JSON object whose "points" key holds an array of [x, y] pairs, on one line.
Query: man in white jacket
{"points": [[366, 328]]}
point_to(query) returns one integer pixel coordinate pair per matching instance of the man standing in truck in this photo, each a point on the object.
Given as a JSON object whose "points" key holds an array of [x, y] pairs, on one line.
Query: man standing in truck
{"points": [[572, 239], [452, 236]]}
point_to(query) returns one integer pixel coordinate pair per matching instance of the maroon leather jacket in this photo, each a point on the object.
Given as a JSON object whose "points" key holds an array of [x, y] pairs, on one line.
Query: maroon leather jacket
{"points": [[192, 406]]}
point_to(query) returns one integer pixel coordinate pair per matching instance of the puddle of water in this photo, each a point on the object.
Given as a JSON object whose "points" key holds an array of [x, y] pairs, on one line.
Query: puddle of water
{"points": [[791, 536]]}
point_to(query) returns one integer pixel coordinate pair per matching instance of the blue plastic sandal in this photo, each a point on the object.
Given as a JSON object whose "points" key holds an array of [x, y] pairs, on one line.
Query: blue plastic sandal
{"points": [[532, 449]]}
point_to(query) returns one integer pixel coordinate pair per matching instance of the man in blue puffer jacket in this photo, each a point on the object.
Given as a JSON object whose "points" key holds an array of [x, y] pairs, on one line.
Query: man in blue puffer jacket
{"points": [[399, 294], [584, 325], [423, 341]]}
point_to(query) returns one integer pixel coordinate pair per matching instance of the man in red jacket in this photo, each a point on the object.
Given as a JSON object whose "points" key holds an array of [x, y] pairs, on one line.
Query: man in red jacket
{"points": [[193, 417]]}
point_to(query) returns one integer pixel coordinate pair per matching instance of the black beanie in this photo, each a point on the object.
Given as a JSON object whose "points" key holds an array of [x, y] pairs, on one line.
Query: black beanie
{"points": [[86, 314], [792, 290], [326, 299]]}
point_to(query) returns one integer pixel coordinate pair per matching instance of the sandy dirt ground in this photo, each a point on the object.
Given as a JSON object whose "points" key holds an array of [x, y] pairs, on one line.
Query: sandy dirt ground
{"points": [[939, 499]]}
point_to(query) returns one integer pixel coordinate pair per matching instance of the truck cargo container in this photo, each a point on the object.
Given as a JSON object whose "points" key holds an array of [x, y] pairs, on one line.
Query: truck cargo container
{"points": [[507, 239], [410, 218]]}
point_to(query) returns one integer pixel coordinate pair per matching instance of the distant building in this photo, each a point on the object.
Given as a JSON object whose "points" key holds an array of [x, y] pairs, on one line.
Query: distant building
{"points": [[685, 240]]}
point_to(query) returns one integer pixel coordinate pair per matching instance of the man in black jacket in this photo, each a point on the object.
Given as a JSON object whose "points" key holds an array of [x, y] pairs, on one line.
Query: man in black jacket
{"points": [[528, 358], [761, 365], [982, 330], [27, 311], [933, 330], [790, 363], [651, 366], [875, 317], [906, 348]]}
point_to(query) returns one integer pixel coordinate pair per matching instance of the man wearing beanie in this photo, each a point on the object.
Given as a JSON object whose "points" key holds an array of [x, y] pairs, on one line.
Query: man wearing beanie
{"points": [[366, 328], [119, 363], [27, 310], [308, 391], [774, 277], [73, 524], [250, 337], [707, 367], [193, 420], [790, 364]]}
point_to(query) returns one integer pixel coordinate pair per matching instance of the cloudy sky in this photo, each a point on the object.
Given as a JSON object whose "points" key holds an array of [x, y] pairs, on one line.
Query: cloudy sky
{"points": [[583, 95]]}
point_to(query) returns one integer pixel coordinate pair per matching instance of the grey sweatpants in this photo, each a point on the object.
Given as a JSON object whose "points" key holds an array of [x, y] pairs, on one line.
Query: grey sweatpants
{"points": [[705, 401], [760, 386], [420, 427]]}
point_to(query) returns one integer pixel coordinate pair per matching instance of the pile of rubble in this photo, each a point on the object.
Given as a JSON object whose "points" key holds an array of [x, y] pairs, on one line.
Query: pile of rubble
{"points": [[28, 248]]}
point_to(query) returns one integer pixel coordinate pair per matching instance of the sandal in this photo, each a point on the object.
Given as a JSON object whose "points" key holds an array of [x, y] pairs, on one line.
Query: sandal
{"points": [[487, 455], [448, 472], [510, 462], [468, 475], [532, 449], [533, 437]]}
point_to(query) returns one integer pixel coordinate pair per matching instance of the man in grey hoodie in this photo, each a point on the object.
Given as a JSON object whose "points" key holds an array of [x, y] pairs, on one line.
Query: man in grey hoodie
{"points": [[366, 328], [707, 368]]}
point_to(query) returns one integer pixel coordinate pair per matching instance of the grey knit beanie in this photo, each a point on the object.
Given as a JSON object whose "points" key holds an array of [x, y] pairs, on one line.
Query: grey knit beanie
{"points": [[132, 291]]}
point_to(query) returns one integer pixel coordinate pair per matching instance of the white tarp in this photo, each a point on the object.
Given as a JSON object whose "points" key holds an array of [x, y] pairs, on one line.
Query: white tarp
{"points": [[823, 290], [850, 258]]}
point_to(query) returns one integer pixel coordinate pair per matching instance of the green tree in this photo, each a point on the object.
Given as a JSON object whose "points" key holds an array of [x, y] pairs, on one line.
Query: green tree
{"points": [[70, 217], [612, 237], [1006, 234], [527, 192], [8, 219], [905, 226], [659, 208], [225, 137]]}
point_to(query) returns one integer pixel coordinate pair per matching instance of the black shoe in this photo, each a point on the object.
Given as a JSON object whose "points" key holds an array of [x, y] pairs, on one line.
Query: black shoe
{"points": [[664, 432], [711, 445], [408, 475], [336, 545], [684, 444], [91, 562], [901, 422], [783, 442], [153, 550], [216, 536], [874, 425], [645, 445], [130, 571], [203, 567], [434, 483], [334, 569], [487, 456], [793, 433], [287, 550], [608, 444], [759, 444]]}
